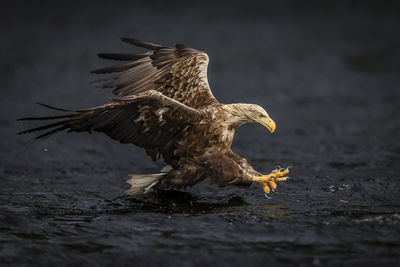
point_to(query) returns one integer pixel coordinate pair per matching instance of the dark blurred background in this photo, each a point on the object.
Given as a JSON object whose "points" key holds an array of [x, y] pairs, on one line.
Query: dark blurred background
{"points": [[326, 71]]}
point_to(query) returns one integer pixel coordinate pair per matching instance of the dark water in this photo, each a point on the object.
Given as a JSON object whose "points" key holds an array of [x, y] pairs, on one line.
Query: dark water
{"points": [[327, 73]]}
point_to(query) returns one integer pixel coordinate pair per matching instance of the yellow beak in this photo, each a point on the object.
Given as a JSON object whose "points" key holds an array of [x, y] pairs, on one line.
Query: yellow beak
{"points": [[268, 123]]}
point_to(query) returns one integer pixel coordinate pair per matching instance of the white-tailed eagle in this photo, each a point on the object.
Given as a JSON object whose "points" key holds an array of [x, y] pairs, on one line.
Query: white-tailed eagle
{"points": [[164, 104]]}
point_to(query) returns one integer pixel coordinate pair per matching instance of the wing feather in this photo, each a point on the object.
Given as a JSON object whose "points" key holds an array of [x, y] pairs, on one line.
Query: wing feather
{"points": [[179, 73], [149, 120], [122, 57], [140, 43]]}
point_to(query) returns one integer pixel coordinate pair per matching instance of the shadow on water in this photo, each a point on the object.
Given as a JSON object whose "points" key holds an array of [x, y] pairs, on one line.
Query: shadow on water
{"points": [[172, 201], [178, 202]]}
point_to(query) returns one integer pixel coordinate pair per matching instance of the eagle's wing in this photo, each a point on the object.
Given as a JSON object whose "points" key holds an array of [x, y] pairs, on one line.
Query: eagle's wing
{"points": [[179, 73], [149, 120]]}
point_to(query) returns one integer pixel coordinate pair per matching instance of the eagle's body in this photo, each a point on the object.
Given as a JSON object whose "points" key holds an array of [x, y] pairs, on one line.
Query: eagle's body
{"points": [[164, 104], [208, 144]]}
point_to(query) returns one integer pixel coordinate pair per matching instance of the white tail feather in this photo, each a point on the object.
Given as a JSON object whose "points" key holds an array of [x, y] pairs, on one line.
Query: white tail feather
{"points": [[142, 182]]}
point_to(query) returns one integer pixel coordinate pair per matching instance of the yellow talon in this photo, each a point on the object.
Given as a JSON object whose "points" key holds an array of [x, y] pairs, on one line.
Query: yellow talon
{"points": [[271, 179], [272, 184], [265, 187]]}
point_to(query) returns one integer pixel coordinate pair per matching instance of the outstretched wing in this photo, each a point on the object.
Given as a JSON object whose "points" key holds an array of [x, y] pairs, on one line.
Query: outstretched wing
{"points": [[149, 120], [179, 73]]}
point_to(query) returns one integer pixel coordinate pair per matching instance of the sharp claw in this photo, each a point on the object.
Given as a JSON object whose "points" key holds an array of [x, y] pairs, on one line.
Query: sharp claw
{"points": [[268, 182]]}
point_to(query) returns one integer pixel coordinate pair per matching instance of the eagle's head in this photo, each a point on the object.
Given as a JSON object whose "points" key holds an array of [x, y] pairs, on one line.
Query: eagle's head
{"points": [[251, 113]]}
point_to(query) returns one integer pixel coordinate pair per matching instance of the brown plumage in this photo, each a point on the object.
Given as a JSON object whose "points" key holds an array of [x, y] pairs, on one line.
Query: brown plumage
{"points": [[164, 104]]}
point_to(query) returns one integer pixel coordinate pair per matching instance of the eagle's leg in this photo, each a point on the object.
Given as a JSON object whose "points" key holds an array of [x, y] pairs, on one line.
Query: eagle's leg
{"points": [[271, 179]]}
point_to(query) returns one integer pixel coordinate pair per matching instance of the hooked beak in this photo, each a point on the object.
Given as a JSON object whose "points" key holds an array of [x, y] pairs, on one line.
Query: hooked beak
{"points": [[268, 123]]}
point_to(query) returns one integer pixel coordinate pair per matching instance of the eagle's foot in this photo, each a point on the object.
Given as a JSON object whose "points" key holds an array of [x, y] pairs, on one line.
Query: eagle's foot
{"points": [[276, 175]]}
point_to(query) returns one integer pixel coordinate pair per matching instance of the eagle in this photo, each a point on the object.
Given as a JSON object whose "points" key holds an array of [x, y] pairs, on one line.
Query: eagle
{"points": [[163, 104]]}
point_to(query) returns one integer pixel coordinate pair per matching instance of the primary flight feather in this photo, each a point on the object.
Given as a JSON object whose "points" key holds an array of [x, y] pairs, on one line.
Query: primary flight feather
{"points": [[164, 104]]}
